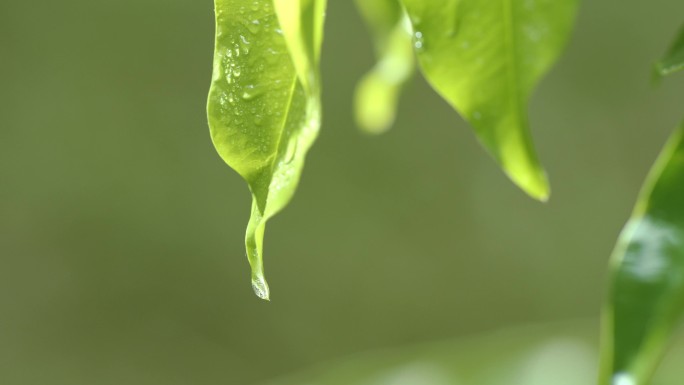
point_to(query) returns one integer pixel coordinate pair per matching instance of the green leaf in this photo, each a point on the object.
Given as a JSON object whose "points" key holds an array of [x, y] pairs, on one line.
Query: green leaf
{"points": [[378, 92], [647, 290], [302, 24], [485, 57], [264, 105], [674, 58]]}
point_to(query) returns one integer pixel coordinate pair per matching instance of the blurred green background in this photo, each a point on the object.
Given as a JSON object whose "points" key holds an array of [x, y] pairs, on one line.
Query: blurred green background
{"points": [[121, 231]]}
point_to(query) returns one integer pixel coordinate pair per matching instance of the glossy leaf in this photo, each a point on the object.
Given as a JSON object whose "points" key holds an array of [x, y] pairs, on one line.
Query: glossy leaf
{"points": [[302, 24], [674, 58], [263, 117], [377, 94], [647, 291], [485, 57]]}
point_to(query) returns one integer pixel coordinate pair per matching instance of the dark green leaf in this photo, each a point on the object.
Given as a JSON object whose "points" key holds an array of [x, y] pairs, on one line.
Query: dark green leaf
{"points": [[647, 291], [263, 116], [378, 92], [485, 57]]}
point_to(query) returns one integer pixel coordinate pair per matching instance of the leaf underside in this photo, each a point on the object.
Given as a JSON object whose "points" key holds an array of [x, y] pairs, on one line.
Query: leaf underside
{"points": [[485, 57], [264, 106]]}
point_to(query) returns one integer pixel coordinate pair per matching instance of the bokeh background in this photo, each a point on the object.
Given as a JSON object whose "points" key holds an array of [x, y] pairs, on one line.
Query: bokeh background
{"points": [[121, 231]]}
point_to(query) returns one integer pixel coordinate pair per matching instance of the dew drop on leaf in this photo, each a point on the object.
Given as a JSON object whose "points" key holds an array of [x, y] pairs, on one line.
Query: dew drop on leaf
{"points": [[251, 91], [418, 40]]}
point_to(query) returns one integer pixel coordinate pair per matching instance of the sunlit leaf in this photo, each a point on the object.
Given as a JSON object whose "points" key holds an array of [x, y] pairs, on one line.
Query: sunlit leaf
{"points": [[485, 57], [263, 117], [674, 58], [378, 92], [302, 24], [647, 291]]}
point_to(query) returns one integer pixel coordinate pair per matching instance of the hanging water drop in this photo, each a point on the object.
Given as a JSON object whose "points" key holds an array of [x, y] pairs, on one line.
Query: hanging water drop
{"points": [[260, 288]]}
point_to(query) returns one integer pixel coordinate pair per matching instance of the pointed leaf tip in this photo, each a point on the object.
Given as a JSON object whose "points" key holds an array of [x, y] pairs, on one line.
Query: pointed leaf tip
{"points": [[673, 60], [536, 185], [260, 288], [265, 136], [485, 58]]}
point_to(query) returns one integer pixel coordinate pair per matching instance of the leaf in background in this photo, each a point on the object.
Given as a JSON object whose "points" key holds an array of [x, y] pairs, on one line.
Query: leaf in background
{"points": [[485, 57], [378, 92], [647, 290], [674, 58], [262, 116]]}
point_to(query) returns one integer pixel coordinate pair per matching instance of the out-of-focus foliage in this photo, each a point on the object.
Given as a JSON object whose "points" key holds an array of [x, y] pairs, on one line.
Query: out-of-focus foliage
{"points": [[485, 58], [377, 94], [540, 355], [646, 298], [674, 58], [264, 103], [647, 291]]}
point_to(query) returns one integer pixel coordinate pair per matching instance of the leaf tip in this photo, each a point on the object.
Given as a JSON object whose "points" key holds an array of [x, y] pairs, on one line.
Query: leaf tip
{"points": [[533, 183], [542, 195], [260, 287], [374, 105], [657, 74]]}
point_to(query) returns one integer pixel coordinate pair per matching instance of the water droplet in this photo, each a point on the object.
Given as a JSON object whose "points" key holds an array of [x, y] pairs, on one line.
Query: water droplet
{"points": [[418, 40], [254, 26], [251, 91], [260, 288], [623, 379]]}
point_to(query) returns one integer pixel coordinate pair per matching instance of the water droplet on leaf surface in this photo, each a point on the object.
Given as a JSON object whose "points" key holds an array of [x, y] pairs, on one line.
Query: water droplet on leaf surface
{"points": [[418, 40]]}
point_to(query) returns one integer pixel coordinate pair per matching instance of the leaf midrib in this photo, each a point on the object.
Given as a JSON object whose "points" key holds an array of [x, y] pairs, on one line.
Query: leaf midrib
{"points": [[274, 161]]}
